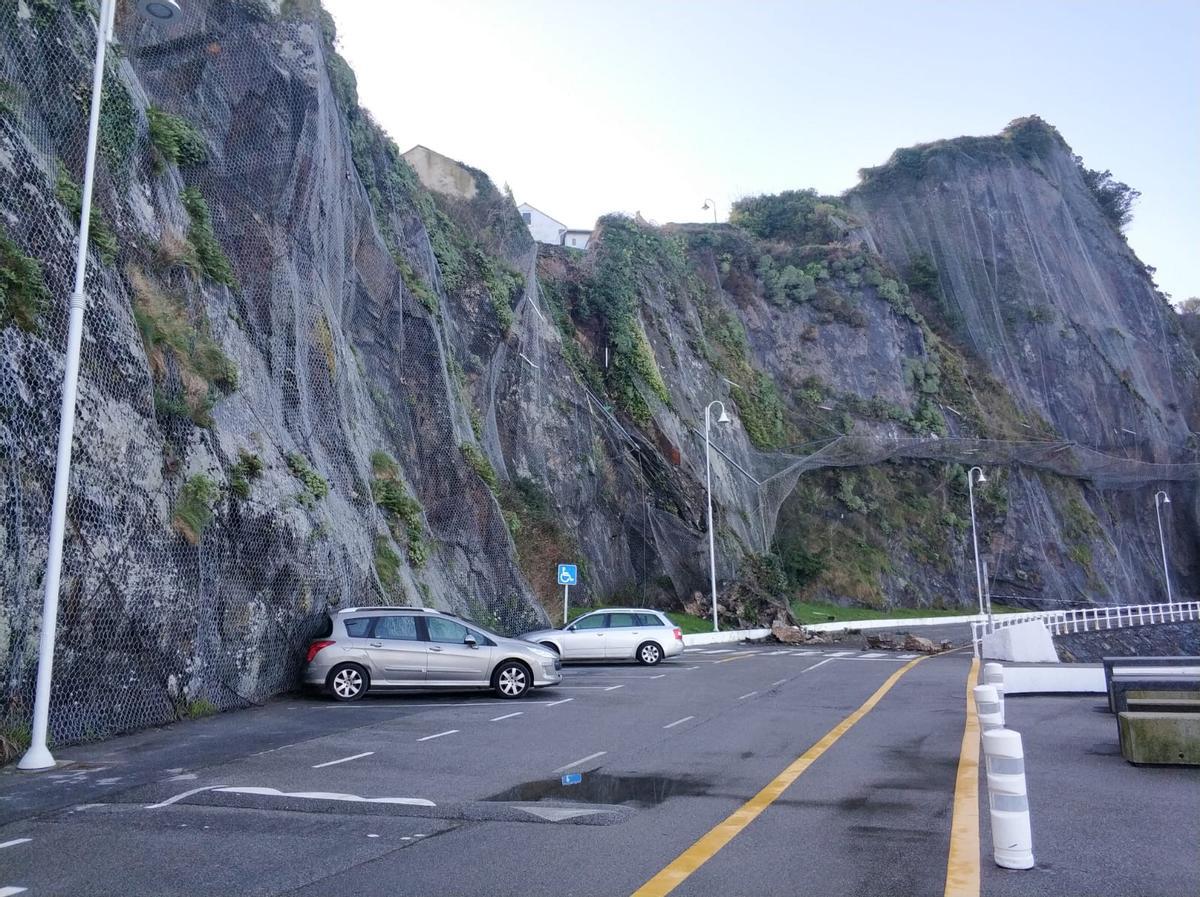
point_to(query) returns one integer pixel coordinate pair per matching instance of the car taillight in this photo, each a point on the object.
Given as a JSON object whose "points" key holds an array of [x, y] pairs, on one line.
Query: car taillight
{"points": [[315, 647], [679, 635]]}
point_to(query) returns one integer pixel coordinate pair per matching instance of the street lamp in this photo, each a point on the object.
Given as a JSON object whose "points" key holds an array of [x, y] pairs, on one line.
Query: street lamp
{"points": [[38, 756], [974, 536], [712, 545], [1161, 498], [710, 204]]}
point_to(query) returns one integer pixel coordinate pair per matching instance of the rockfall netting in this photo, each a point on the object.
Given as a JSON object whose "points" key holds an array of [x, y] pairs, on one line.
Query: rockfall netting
{"points": [[267, 425]]}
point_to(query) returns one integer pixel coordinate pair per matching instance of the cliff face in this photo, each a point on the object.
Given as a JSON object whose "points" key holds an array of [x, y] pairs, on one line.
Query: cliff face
{"points": [[308, 381]]}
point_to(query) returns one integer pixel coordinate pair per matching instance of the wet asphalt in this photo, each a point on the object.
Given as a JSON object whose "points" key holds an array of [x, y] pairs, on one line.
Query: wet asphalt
{"points": [[464, 794]]}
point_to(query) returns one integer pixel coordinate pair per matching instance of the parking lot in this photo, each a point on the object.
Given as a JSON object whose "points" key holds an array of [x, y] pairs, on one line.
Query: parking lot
{"points": [[732, 770]]}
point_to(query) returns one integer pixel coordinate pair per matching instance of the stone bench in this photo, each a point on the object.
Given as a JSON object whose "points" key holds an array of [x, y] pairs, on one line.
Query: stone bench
{"points": [[1122, 687], [1164, 738]]}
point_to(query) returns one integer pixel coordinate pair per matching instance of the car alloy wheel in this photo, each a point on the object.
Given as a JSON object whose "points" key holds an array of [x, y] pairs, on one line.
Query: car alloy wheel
{"points": [[348, 683], [650, 654], [512, 680]]}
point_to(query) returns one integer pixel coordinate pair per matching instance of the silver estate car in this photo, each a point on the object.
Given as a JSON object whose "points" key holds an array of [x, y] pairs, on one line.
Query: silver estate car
{"points": [[614, 633], [398, 648]]}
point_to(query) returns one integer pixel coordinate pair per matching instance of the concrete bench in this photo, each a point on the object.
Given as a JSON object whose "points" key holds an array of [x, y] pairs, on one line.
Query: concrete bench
{"points": [[1121, 687], [1167, 738], [1184, 702], [1111, 664]]}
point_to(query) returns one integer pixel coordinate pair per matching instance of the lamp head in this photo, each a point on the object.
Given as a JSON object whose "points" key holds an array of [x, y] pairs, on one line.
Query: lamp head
{"points": [[724, 418], [705, 206], [982, 479], [159, 11], [1166, 499]]}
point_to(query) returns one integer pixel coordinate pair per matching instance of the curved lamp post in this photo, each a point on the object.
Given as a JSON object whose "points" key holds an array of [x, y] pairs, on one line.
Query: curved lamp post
{"points": [[710, 204], [712, 545], [974, 535], [38, 756], [1161, 498]]}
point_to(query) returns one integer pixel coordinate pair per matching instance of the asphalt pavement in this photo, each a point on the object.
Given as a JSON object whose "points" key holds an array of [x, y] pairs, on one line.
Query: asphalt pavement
{"points": [[731, 770]]}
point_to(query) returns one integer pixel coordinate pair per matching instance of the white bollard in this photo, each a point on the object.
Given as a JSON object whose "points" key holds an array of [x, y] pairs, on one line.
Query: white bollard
{"points": [[993, 674], [988, 706], [1012, 838]]}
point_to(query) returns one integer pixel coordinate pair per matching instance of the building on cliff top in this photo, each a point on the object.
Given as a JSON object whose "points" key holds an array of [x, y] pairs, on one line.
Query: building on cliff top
{"points": [[545, 229]]}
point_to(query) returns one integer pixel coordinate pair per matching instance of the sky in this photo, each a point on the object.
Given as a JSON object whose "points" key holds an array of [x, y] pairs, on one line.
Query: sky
{"points": [[655, 106]]}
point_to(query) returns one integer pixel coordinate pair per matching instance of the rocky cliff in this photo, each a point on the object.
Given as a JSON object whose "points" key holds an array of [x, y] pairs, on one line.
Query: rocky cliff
{"points": [[310, 381]]}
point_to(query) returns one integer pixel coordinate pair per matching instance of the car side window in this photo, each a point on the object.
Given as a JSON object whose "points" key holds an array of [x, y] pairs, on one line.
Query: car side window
{"points": [[402, 626], [447, 632], [480, 637], [594, 621], [622, 621], [359, 627], [648, 620]]}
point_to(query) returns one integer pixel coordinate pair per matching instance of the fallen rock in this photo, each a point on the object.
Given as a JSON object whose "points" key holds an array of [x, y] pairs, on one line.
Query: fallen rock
{"points": [[920, 644], [886, 642], [789, 635]]}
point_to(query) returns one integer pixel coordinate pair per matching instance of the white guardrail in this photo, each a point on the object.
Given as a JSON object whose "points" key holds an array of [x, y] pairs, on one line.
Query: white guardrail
{"points": [[1091, 619]]}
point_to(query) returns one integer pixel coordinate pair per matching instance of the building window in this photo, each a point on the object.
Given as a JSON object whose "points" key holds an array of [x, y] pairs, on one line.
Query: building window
{"points": [[525, 216]]}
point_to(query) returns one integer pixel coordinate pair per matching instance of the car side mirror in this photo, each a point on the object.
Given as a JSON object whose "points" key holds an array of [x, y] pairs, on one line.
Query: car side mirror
{"points": [[470, 642], [571, 628]]}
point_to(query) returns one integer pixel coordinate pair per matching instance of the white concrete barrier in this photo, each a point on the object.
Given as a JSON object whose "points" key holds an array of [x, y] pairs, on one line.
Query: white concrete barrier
{"points": [[1057, 678], [1028, 642], [717, 638], [1012, 836], [892, 624]]}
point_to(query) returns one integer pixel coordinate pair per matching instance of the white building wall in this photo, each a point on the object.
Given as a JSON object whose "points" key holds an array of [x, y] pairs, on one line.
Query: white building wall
{"points": [[542, 227], [577, 239]]}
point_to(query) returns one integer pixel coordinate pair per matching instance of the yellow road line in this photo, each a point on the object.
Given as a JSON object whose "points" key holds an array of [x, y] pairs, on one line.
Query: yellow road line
{"points": [[962, 863], [707, 847]]}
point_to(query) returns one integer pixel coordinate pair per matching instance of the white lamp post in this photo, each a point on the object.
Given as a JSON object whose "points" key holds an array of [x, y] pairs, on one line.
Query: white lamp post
{"points": [[710, 204], [1161, 498], [38, 756], [712, 545], [974, 535]]}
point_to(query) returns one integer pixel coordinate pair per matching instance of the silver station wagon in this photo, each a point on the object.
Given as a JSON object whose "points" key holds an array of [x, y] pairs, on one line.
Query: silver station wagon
{"points": [[614, 633], [400, 648]]}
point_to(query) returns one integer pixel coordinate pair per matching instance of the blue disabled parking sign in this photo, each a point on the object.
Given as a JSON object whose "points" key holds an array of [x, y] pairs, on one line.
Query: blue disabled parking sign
{"points": [[567, 575]]}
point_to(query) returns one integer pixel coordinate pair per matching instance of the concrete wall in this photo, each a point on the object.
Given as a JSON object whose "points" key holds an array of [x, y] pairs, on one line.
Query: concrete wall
{"points": [[441, 174]]}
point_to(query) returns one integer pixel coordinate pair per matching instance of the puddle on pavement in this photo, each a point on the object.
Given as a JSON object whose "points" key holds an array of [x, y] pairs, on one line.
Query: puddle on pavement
{"points": [[599, 788]]}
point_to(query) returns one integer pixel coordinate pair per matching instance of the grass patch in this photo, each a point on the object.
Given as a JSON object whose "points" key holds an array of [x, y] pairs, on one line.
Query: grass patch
{"points": [[208, 252], [316, 487], [387, 565], [193, 510], [168, 334], [23, 294], [100, 235], [175, 139], [480, 464], [249, 467], [403, 512]]}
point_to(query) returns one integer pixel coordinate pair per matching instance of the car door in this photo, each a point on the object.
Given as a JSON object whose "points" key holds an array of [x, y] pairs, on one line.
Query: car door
{"points": [[622, 636], [398, 653], [450, 660], [584, 639]]}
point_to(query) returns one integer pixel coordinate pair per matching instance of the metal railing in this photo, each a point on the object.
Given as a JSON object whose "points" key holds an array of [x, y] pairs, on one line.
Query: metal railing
{"points": [[1091, 619]]}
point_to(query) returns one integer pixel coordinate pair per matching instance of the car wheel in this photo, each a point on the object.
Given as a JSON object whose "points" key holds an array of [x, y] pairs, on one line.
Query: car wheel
{"points": [[348, 682], [512, 679], [649, 653]]}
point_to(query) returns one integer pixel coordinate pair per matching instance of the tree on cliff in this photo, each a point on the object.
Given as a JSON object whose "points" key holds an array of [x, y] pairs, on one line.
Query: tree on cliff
{"points": [[1116, 198]]}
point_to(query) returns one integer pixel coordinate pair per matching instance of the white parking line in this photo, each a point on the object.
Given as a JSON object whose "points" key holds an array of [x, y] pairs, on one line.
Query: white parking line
{"points": [[872, 655], [581, 761], [677, 722], [748, 694], [497, 719], [582, 688], [10, 890], [817, 664], [438, 735], [343, 760], [905, 656], [15, 842], [327, 795], [179, 797], [364, 706], [556, 703], [778, 682], [841, 653], [614, 687], [804, 653]]}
